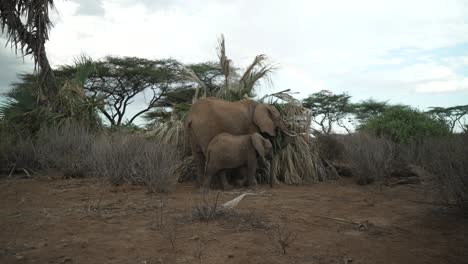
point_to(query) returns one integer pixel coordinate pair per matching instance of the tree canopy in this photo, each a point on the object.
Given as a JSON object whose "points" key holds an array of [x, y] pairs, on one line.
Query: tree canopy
{"points": [[118, 82], [454, 116], [403, 123], [328, 109]]}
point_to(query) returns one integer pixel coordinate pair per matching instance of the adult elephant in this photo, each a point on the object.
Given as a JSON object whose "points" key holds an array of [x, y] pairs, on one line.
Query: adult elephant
{"points": [[211, 116]]}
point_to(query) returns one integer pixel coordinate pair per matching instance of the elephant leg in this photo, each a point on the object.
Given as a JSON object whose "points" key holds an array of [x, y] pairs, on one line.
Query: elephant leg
{"points": [[251, 170], [225, 184], [200, 163], [242, 176], [210, 171]]}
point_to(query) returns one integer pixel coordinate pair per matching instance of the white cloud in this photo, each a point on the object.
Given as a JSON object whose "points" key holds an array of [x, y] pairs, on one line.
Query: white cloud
{"points": [[443, 86], [338, 45]]}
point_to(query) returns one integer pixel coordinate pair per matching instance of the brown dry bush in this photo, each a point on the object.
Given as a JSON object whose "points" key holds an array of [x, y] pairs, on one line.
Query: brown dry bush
{"points": [[66, 149], [18, 155], [126, 158], [446, 160], [77, 152], [329, 147], [370, 156]]}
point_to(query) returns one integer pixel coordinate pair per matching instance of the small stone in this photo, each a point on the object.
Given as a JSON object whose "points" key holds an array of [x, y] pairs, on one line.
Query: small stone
{"points": [[230, 256], [19, 257]]}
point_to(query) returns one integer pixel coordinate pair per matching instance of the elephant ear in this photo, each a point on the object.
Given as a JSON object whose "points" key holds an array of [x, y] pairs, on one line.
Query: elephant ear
{"points": [[263, 119], [257, 142]]}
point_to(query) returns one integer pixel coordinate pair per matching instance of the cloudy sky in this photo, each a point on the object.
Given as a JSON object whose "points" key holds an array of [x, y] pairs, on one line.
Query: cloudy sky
{"points": [[412, 52]]}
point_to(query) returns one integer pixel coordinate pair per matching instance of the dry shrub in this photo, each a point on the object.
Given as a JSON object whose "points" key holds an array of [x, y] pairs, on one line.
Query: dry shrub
{"points": [[206, 210], [127, 158], [66, 148], [370, 156], [329, 147], [446, 159], [77, 152], [19, 155]]}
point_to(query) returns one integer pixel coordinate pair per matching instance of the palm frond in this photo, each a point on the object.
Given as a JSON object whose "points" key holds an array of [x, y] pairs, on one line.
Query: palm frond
{"points": [[260, 68]]}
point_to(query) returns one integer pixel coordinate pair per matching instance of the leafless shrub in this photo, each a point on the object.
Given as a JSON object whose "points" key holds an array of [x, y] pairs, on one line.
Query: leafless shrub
{"points": [[65, 148], [329, 147], [199, 249], [166, 226], [170, 232], [282, 235], [133, 159], [369, 155], [22, 156], [446, 159], [206, 210], [76, 152], [160, 217]]}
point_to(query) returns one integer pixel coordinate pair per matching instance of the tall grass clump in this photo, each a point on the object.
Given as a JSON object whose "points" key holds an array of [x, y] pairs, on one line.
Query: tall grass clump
{"points": [[370, 156]]}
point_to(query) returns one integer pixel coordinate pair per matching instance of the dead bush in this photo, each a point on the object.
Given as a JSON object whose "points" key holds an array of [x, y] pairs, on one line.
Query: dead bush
{"points": [[126, 158], [65, 148], [329, 147], [446, 160], [370, 156], [282, 234], [19, 155], [77, 152], [206, 210]]}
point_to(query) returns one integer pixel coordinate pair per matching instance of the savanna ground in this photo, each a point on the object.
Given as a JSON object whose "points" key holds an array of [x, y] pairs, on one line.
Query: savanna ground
{"points": [[55, 220]]}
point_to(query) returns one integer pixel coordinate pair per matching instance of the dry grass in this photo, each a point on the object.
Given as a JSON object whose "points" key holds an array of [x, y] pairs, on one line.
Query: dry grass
{"points": [[296, 158], [298, 163]]}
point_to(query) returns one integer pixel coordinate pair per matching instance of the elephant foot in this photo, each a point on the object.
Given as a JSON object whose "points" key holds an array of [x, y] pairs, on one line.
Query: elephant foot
{"points": [[228, 187], [252, 184]]}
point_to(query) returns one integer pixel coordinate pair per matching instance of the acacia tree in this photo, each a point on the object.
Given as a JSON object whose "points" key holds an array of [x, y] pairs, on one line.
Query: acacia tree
{"points": [[454, 116], [328, 109], [367, 109], [117, 82], [29, 35]]}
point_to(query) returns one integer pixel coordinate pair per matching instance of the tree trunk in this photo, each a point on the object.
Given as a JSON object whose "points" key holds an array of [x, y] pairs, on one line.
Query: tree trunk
{"points": [[48, 83]]}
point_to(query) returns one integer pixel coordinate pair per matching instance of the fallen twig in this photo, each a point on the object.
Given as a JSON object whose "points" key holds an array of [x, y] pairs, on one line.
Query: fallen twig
{"points": [[361, 225]]}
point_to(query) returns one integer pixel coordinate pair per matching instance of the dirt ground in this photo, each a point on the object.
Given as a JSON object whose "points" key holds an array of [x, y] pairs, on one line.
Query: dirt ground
{"points": [[52, 220]]}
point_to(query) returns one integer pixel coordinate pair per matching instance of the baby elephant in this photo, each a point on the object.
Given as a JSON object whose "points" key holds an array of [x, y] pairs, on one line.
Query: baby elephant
{"points": [[227, 151]]}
